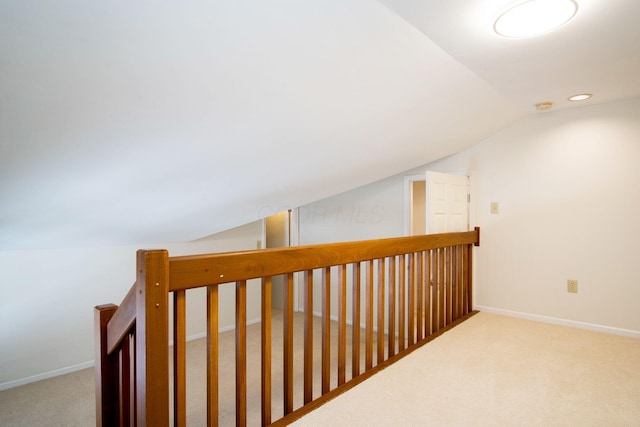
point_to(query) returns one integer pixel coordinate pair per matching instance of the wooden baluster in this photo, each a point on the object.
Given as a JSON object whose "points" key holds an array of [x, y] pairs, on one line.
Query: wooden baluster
{"points": [[429, 291], [265, 357], [326, 330], [368, 356], [124, 391], [401, 303], [152, 342], [426, 282], [391, 349], [133, 387], [106, 369], [448, 283], [419, 283], [452, 283], [426, 271], [423, 291], [465, 282], [456, 284], [381, 306], [127, 382], [411, 333], [434, 290], [342, 323], [212, 355], [355, 329], [441, 289], [288, 345], [461, 281], [179, 359], [241, 353], [436, 287], [469, 288], [308, 336]]}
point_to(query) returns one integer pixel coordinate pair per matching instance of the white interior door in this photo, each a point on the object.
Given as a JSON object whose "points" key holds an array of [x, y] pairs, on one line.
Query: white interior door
{"points": [[447, 203]]}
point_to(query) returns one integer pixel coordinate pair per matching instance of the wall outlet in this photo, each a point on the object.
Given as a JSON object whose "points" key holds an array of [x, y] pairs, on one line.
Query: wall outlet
{"points": [[572, 286]]}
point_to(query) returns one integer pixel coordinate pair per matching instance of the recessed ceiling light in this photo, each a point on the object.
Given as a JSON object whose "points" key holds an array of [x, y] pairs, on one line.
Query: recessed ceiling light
{"points": [[580, 97], [535, 17]]}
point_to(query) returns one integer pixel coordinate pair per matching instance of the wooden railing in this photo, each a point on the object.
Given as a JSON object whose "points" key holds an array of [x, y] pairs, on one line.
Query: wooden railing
{"points": [[402, 292]]}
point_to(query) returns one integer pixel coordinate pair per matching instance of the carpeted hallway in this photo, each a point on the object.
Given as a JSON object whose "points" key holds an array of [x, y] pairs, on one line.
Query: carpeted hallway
{"points": [[491, 370], [499, 371]]}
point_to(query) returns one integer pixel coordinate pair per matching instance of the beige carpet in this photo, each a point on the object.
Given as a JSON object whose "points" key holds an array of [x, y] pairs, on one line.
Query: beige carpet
{"points": [[489, 371], [499, 371]]}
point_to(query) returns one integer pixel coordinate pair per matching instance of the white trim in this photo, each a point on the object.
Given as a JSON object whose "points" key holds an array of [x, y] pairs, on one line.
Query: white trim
{"points": [[225, 329], [563, 322], [263, 235], [472, 196], [46, 375], [408, 179]]}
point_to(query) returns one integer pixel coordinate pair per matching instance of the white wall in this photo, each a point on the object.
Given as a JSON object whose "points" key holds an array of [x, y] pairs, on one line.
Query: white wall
{"points": [[568, 185], [46, 307], [370, 212]]}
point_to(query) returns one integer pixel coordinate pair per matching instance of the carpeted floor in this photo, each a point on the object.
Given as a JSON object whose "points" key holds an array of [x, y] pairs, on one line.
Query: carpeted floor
{"points": [[489, 371], [498, 371]]}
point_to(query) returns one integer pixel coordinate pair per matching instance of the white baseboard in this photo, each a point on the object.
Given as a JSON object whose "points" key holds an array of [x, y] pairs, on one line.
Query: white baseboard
{"points": [[46, 375], [558, 321], [349, 321]]}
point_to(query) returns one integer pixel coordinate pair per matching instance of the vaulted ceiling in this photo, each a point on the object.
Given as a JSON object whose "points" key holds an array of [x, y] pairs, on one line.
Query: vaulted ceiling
{"points": [[159, 121]]}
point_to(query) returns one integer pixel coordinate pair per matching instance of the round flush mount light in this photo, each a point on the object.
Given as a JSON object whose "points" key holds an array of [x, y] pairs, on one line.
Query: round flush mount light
{"points": [[580, 97], [535, 17]]}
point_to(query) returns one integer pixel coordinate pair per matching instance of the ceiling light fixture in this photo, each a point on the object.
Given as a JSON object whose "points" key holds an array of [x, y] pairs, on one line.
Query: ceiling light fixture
{"points": [[544, 106], [535, 17], [580, 97]]}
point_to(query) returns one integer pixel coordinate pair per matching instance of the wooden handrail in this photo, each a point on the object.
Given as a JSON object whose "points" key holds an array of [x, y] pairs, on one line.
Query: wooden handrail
{"points": [[412, 289], [202, 270], [122, 321]]}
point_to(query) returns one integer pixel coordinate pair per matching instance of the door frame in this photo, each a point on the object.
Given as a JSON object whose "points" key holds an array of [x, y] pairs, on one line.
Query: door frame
{"points": [[293, 232], [408, 202], [408, 199]]}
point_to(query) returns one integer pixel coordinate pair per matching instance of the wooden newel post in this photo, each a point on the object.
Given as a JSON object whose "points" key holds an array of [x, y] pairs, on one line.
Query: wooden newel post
{"points": [[106, 370], [152, 338]]}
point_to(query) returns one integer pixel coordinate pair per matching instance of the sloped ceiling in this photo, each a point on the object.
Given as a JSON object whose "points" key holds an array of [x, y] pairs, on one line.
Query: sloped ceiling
{"points": [[163, 121]]}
